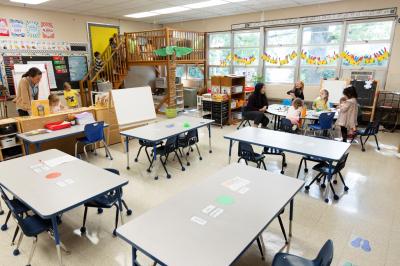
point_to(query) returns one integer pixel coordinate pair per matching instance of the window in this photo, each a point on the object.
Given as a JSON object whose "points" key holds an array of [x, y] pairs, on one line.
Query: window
{"points": [[247, 53], [320, 52], [180, 71], [280, 45], [365, 39], [218, 52], [195, 72]]}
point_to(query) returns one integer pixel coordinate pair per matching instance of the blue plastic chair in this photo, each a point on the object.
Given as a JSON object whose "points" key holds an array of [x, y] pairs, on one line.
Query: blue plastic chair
{"points": [[106, 201], [94, 133], [287, 102], [246, 153], [146, 144], [325, 123], [324, 258], [31, 226], [187, 141]]}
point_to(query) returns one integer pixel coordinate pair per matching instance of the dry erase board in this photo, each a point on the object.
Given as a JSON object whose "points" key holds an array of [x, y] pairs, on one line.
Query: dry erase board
{"points": [[335, 88], [133, 105]]}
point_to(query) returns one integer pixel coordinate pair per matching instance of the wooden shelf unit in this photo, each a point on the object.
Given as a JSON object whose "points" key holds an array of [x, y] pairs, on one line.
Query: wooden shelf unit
{"points": [[179, 98], [225, 84], [18, 146]]}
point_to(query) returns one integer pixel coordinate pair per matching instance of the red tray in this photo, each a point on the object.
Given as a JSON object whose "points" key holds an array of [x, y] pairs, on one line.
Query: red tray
{"points": [[57, 125]]}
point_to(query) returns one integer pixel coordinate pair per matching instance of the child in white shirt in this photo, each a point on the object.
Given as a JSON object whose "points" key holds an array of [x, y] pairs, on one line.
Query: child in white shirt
{"points": [[294, 112]]}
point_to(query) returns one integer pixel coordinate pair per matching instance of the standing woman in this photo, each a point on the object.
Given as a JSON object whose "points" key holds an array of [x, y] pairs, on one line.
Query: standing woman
{"points": [[28, 90], [348, 112], [297, 91], [257, 105]]}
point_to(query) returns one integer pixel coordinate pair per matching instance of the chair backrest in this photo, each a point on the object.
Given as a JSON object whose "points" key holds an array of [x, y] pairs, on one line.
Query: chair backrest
{"points": [[171, 144], [326, 120], [287, 102], [95, 131], [286, 125], [10, 206], [246, 151], [325, 255], [192, 136], [341, 163]]}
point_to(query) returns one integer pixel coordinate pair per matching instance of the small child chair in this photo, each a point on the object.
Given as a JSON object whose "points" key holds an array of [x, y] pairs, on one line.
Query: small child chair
{"points": [[325, 123]]}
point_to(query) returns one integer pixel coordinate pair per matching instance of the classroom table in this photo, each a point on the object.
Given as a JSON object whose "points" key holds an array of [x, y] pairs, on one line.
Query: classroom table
{"points": [[25, 178], [164, 129], [213, 222], [323, 149], [38, 139], [279, 110]]}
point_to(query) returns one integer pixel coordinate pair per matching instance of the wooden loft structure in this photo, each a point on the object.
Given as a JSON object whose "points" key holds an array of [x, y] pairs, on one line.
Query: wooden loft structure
{"points": [[140, 47]]}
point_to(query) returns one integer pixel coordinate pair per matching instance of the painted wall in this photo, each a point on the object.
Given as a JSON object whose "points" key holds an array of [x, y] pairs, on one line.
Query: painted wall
{"points": [[70, 27], [279, 91]]}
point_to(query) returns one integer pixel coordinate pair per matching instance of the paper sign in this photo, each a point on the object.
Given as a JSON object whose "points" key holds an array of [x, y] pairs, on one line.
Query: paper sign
{"points": [[69, 181], [215, 213], [243, 190], [236, 183], [17, 28], [198, 220], [208, 209], [4, 32], [39, 168], [32, 29], [47, 29], [59, 160], [61, 184]]}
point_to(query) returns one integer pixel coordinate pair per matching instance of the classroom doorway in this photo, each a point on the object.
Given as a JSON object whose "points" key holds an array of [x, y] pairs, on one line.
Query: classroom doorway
{"points": [[99, 35]]}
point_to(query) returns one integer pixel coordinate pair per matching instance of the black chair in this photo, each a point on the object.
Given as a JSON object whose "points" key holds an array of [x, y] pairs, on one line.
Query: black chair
{"points": [[163, 151], [246, 153], [146, 144], [371, 130], [309, 158], [285, 125], [18, 207], [187, 141], [245, 120], [274, 151], [324, 258], [324, 169], [106, 201]]}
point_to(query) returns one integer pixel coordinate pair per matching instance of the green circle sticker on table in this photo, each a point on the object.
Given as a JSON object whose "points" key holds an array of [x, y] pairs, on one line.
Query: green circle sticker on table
{"points": [[186, 125], [225, 200]]}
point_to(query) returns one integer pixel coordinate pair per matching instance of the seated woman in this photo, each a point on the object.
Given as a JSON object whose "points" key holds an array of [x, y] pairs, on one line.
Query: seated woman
{"points": [[294, 112], [321, 102], [257, 105], [297, 91]]}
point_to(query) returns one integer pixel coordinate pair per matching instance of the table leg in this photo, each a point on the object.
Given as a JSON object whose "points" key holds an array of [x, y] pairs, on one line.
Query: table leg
{"points": [[329, 178], [134, 256], [37, 147], [120, 205], [57, 238], [275, 122], [291, 217], [298, 171], [230, 150], [26, 145], [127, 151], [209, 137]]}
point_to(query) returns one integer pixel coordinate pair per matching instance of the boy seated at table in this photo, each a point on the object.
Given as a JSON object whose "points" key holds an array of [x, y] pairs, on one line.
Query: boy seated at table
{"points": [[294, 112], [321, 102], [55, 103]]}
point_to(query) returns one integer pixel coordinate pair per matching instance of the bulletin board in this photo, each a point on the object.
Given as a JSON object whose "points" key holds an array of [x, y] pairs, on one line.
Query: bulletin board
{"points": [[99, 35]]}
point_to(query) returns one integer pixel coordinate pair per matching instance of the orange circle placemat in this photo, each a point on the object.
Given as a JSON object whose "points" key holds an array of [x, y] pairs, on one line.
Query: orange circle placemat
{"points": [[53, 175]]}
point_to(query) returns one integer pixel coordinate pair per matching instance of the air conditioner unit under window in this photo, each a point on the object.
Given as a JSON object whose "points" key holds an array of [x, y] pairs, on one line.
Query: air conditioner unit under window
{"points": [[362, 75]]}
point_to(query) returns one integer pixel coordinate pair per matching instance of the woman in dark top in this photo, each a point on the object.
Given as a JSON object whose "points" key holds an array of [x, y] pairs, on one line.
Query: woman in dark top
{"points": [[257, 105], [297, 91]]}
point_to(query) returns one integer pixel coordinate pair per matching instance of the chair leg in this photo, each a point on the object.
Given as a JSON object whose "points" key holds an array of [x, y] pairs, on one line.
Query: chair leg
{"points": [[4, 227], [137, 156], [164, 166], [128, 211], [198, 151], [377, 144], [284, 159], [346, 188], [305, 166], [260, 248], [107, 150], [312, 181], [263, 163], [335, 196], [116, 220], [83, 228], [282, 228], [84, 150], [179, 159], [16, 250], [15, 236], [32, 250], [151, 165], [76, 149], [362, 144], [240, 124]]}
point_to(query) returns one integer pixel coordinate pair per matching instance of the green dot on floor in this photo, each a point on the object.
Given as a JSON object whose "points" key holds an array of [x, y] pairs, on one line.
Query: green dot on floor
{"points": [[225, 200]]}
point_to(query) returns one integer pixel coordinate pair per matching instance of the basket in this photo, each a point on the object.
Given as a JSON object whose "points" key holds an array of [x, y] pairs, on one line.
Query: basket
{"points": [[171, 112]]}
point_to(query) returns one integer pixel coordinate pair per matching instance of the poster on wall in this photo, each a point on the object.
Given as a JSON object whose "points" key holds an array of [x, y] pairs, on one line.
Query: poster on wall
{"points": [[50, 72], [32, 29], [17, 28], [47, 29], [4, 32], [77, 67]]}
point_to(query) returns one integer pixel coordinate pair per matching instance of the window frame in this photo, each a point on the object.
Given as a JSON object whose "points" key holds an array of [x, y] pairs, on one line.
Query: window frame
{"points": [[209, 66]]}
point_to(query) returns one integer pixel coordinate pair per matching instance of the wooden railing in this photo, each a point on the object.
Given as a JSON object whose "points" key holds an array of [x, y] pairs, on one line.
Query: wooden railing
{"points": [[141, 46], [114, 70]]}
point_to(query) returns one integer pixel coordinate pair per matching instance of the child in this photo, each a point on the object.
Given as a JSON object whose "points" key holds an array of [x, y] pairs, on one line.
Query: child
{"points": [[297, 91], [98, 63], [348, 111], [321, 102], [55, 103], [294, 112], [71, 96]]}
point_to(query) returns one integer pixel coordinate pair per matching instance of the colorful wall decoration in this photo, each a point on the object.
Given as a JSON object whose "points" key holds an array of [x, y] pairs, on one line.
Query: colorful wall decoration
{"points": [[47, 29], [4, 31], [32, 29], [238, 59], [17, 28]]}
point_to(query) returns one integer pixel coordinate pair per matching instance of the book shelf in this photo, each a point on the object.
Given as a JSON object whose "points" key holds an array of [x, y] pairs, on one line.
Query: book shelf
{"points": [[234, 87], [8, 134]]}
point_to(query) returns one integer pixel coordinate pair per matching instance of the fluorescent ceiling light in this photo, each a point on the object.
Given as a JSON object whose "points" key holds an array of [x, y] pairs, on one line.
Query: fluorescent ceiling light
{"points": [[142, 15], [29, 2], [206, 4], [235, 1], [170, 10]]}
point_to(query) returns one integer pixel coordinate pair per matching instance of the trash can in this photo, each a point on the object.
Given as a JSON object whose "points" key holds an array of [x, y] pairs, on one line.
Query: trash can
{"points": [[190, 97]]}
